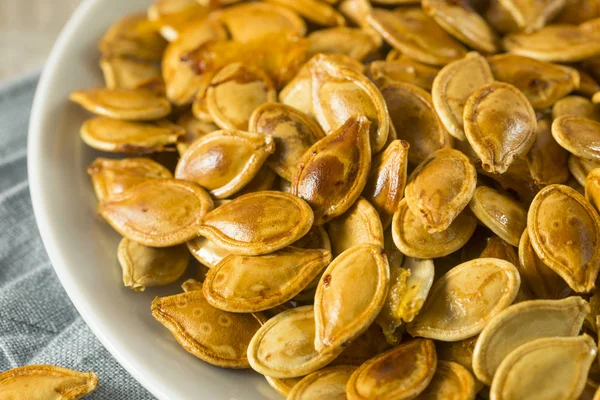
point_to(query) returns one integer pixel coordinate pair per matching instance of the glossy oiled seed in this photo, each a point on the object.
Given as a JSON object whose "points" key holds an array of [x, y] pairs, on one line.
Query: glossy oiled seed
{"points": [[326, 384], [531, 16], [334, 171], [400, 374], [547, 160], [158, 213], [223, 162], [173, 15], [256, 283], [452, 87], [371, 343], [284, 347], [545, 368], [112, 177], [283, 386], [403, 69], [350, 295], [217, 337], [451, 381], [576, 106], [465, 299], [205, 251], [46, 382], [258, 223], [145, 266], [353, 42], [522, 323], [564, 230], [579, 135], [592, 188], [315, 11], [194, 130], [440, 188], [500, 125], [129, 73]]}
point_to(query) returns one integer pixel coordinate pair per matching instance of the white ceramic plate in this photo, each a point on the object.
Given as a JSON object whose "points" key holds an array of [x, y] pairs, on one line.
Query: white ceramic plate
{"points": [[83, 248]]}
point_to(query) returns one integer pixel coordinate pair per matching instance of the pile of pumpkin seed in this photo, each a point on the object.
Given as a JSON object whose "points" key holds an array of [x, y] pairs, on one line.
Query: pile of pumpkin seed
{"points": [[387, 199]]}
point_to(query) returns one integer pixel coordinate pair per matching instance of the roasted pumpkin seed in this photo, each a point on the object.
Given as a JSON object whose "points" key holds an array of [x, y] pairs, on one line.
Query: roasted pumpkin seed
{"points": [[313, 10], [326, 384], [128, 73], [283, 386], [547, 160], [451, 381], [592, 188], [172, 15], [194, 130], [133, 36], [353, 42], [578, 135], [531, 16], [205, 251], [403, 69]]}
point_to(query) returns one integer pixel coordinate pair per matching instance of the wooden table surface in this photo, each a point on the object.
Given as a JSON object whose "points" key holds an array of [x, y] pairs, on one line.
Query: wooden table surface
{"points": [[28, 28]]}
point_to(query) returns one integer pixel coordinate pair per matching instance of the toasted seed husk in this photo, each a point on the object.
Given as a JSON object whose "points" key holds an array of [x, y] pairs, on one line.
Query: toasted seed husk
{"points": [[182, 83], [293, 133], [158, 213], [547, 160], [440, 188], [554, 43], [205, 251], [499, 212], [413, 239], [564, 230], [313, 10], [465, 299], [235, 92], [353, 42], [283, 386], [464, 23], [359, 225], [316, 238], [262, 181], [46, 382], [541, 82], [543, 281], [172, 16], [412, 32], [225, 161], [115, 136], [587, 84], [145, 266], [334, 171], [531, 16], [499, 18], [217, 337], [366, 346], [194, 130], [387, 178], [522, 323], [326, 384], [123, 104], [452, 87], [257, 283], [545, 368], [339, 93], [451, 381], [401, 373], [592, 188], [112, 177], [575, 106], [258, 223], [129, 73], [403, 69], [191, 284], [356, 11], [460, 352], [284, 346], [350, 295], [500, 125], [580, 168], [517, 179], [415, 120], [578, 135], [133, 36]]}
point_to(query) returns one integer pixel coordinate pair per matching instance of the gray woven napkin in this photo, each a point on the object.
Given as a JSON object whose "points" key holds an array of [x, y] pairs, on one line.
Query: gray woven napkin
{"points": [[38, 323]]}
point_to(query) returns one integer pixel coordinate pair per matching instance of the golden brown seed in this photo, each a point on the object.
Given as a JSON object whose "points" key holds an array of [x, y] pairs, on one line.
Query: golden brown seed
{"points": [[112, 177], [453, 86], [256, 283], [340, 93], [284, 346], [587, 84], [116, 136], [460, 352], [451, 381], [334, 171], [548, 367], [283, 386], [217, 337], [145, 266], [191, 285], [580, 168], [359, 225], [293, 133], [363, 348], [499, 212], [194, 130], [235, 92], [465, 299], [531, 16], [564, 230], [500, 125], [404, 69], [223, 162], [173, 15], [129, 73], [205, 251], [592, 188], [413, 239], [158, 213], [440, 188], [316, 238], [123, 104], [400, 373], [46, 382], [313, 10], [413, 33], [350, 295], [541, 82], [326, 384], [356, 11], [385, 186], [554, 43], [415, 120], [579, 135], [464, 23], [547, 160], [258, 223], [262, 181], [133, 36], [353, 42]]}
